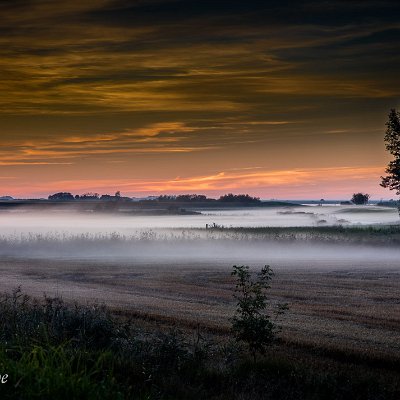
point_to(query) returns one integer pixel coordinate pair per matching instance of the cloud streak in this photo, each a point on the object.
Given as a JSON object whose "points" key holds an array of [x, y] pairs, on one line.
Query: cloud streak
{"points": [[83, 58], [179, 84], [278, 184]]}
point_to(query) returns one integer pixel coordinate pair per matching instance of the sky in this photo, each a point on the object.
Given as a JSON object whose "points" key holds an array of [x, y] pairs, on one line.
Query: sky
{"points": [[278, 99]]}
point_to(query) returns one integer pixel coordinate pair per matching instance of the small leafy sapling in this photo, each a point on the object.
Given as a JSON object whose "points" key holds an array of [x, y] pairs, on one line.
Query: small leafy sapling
{"points": [[252, 323]]}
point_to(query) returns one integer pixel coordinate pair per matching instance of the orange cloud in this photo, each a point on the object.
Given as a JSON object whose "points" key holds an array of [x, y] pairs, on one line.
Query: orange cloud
{"points": [[306, 183], [165, 137], [261, 179]]}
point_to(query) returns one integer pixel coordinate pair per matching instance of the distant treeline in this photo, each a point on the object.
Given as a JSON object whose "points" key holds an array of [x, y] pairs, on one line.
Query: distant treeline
{"points": [[183, 198], [66, 196], [227, 198]]}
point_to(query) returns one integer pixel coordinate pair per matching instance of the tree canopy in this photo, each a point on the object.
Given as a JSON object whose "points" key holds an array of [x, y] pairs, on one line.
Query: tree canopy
{"points": [[392, 141], [61, 196], [241, 198], [360, 198]]}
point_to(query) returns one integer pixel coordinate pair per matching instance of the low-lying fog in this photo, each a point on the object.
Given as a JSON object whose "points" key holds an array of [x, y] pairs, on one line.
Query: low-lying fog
{"points": [[28, 222], [165, 239]]}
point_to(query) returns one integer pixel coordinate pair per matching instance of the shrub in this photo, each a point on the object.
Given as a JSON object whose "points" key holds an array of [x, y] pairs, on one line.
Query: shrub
{"points": [[251, 324]]}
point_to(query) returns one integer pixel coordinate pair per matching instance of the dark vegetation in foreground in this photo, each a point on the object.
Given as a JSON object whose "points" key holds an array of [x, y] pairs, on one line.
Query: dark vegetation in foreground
{"points": [[52, 350]]}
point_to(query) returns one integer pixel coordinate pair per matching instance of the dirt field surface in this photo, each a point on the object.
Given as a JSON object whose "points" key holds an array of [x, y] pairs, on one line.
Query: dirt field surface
{"points": [[340, 305]]}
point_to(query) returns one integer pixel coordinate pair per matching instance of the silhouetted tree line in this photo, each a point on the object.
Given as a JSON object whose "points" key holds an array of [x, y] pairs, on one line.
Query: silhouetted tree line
{"points": [[227, 198], [66, 196], [239, 198], [62, 196], [183, 198]]}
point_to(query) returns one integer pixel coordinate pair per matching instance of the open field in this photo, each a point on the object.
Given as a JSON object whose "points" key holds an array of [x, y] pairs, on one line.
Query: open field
{"points": [[341, 281], [340, 305], [339, 339]]}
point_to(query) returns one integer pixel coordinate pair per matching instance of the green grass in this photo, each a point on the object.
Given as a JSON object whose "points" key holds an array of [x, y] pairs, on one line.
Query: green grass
{"points": [[58, 372], [52, 350]]}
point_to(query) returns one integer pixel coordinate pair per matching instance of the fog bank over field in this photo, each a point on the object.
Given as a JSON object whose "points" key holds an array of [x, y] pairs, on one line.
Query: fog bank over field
{"points": [[200, 250], [169, 239], [23, 222]]}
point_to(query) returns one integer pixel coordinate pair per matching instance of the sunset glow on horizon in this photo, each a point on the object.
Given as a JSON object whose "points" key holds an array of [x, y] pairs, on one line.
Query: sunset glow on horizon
{"points": [[284, 101]]}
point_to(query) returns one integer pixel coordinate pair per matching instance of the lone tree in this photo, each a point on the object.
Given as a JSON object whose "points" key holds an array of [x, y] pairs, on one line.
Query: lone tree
{"points": [[251, 322], [360, 198], [392, 141]]}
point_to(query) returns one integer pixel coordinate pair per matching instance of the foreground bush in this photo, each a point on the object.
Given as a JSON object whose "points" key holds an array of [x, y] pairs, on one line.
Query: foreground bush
{"points": [[51, 350], [24, 321], [252, 323]]}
